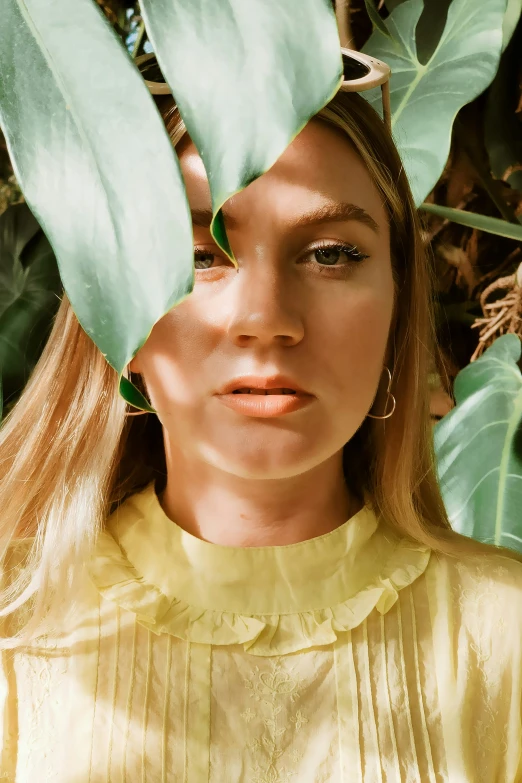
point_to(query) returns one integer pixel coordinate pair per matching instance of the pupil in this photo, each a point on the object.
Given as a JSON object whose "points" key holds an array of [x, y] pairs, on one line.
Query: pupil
{"points": [[327, 255], [203, 260]]}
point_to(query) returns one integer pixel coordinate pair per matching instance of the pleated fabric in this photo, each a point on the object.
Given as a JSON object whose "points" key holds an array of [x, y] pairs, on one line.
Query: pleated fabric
{"points": [[354, 657]]}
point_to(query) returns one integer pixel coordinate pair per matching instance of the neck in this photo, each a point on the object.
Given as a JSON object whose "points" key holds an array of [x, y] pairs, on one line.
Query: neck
{"points": [[225, 509]]}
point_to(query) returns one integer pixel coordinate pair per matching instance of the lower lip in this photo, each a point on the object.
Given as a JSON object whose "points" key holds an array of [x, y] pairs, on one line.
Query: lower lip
{"points": [[265, 405]]}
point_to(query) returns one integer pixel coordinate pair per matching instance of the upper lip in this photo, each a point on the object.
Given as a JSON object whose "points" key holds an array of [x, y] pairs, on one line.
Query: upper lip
{"points": [[260, 382]]}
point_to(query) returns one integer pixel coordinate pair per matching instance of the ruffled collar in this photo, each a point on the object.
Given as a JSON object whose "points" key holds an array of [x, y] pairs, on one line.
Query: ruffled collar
{"points": [[271, 599]]}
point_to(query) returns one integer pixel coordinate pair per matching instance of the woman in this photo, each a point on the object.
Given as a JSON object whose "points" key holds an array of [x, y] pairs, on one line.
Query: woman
{"points": [[260, 583]]}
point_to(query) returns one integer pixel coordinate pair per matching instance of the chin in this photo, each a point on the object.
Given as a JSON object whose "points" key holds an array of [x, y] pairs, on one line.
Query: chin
{"points": [[271, 460]]}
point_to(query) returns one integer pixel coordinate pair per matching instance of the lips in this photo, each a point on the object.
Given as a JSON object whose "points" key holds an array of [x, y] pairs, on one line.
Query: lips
{"points": [[264, 397], [252, 384], [263, 391]]}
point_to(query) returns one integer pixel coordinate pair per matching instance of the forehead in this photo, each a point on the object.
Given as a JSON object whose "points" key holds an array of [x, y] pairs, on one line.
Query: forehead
{"points": [[321, 163]]}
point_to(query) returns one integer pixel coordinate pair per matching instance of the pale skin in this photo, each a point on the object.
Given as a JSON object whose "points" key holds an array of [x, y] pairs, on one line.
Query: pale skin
{"points": [[293, 307]]}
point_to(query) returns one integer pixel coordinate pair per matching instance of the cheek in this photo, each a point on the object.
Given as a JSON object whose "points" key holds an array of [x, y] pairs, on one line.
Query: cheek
{"points": [[353, 335], [174, 355]]}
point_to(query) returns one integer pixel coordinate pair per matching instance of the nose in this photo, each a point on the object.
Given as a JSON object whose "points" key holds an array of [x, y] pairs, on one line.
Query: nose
{"points": [[264, 310]]}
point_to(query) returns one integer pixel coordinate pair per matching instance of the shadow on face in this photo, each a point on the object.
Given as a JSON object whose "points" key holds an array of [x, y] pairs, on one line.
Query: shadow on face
{"points": [[310, 302]]}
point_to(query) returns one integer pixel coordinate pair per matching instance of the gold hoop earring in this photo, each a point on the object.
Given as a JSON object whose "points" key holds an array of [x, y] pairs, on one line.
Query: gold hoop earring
{"points": [[387, 416]]}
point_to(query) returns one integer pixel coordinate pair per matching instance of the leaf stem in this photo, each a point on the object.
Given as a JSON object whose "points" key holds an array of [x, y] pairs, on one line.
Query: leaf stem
{"points": [[139, 38], [343, 23]]}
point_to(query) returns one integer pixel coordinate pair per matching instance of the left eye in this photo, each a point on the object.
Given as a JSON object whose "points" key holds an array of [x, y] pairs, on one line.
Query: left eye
{"points": [[329, 256]]}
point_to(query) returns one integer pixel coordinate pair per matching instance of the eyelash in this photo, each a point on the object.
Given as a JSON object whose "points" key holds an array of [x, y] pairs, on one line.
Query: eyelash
{"points": [[352, 251]]}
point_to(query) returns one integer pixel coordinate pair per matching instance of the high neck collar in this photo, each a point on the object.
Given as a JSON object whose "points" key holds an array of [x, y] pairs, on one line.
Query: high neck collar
{"points": [[267, 579], [273, 600]]}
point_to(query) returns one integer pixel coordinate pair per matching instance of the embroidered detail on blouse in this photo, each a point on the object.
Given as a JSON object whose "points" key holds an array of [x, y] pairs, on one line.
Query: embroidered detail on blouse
{"points": [[46, 671], [274, 688]]}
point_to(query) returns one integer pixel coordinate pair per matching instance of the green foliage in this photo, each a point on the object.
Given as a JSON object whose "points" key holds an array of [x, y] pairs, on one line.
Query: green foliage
{"points": [[98, 170], [30, 288], [503, 121], [481, 222], [479, 448], [247, 78], [105, 200], [426, 97], [377, 20]]}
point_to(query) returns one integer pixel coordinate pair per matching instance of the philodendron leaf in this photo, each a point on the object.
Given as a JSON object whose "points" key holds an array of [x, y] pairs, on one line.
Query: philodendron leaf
{"points": [[247, 77], [426, 98], [98, 170], [479, 448]]}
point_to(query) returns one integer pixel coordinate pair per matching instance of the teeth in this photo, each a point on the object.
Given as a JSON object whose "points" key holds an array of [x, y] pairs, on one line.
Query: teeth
{"points": [[264, 391]]}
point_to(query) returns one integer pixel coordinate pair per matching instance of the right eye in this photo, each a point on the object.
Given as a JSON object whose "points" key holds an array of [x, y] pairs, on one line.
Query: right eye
{"points": [[203, 260]]}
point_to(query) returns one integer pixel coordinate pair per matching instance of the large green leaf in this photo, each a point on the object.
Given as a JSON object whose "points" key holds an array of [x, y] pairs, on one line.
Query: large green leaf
{"points": [[479, 448], [98, 170], [426, 98], [247, 77]]}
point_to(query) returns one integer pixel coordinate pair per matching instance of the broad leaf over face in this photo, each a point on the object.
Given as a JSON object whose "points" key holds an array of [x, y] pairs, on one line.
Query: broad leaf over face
{"points": [[247, 76], [479, 448], [98, 170]]}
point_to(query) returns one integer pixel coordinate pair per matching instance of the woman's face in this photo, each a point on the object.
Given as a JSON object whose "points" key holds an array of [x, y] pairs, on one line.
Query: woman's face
{"points": [[308, 309]]}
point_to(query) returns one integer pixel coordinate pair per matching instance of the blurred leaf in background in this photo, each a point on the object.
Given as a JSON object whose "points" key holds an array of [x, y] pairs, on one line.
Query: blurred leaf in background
{"points": [[503, 116], [30, 291]]}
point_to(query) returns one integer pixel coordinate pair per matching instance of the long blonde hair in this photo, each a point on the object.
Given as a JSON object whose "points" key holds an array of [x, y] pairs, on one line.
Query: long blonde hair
{"points": [[69, 454]]}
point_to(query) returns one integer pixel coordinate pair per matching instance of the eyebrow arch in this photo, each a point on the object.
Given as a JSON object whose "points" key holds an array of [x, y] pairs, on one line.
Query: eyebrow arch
{"points": [[334, 212]]}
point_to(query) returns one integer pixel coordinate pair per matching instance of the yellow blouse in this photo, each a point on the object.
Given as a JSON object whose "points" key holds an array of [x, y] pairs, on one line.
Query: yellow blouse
{"points": [[353, 657]]}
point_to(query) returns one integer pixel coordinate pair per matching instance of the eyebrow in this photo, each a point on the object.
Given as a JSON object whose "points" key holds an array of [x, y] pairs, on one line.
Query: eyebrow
{"points": [[334, 212]]}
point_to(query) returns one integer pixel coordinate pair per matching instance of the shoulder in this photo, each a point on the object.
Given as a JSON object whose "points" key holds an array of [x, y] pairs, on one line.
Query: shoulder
{"points": [[483, 593], [478, 577], [490, 571]]}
